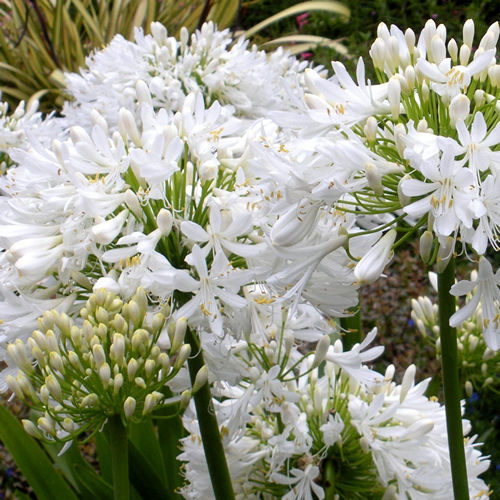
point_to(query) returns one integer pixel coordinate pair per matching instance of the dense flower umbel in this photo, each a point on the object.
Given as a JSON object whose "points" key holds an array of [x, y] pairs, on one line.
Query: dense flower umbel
{"points": [[109, 365], [343, 427], [250, 198]]}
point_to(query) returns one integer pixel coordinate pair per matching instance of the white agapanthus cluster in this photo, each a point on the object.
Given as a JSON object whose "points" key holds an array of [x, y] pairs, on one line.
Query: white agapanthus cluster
{"points": [[292, 430], [247, 195]]}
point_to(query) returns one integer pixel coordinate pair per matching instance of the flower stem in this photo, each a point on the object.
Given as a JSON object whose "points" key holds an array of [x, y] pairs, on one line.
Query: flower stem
{"points": [[329, 473], [118, 441], [209, 429], [352, 325], [452, 391]]}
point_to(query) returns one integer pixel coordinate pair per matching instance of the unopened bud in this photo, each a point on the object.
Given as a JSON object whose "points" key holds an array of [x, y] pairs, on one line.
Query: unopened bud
{"points": [[445, 253], [200, 379], [453, 50], [459, 108], [129, 407], [425, 245], [128, 127], [321, 350], [179, 334], [408, 381], [31, 428], [182, 356], [185, 398], [468, 388]]}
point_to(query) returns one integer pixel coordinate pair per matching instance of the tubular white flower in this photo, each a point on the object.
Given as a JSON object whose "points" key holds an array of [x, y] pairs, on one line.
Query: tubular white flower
{"points": [[372, 264]]}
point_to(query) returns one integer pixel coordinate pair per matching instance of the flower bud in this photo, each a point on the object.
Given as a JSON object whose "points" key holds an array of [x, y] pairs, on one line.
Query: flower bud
{"points": [[408, 381], [494, 75], [459, 108], [183, 355], [31, 428], [151, 401], [47, 425], [410, 40], [129, 407], [128, 127], [132, 368], [14, 387], [105, 374], [371, 128], [468, 32], [425, 245], [468, 388], [164, 221], [373, 178], [464, 55], [185, 398], [445, 253], [54, 387], [200, 379], [394, 96], [321, 350], [370, 267], [179, 334], [453, 50], [378, 53]]}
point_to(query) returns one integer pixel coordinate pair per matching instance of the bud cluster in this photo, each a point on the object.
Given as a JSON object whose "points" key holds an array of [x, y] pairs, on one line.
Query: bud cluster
{"points": [[109, 365], [478, 363]]}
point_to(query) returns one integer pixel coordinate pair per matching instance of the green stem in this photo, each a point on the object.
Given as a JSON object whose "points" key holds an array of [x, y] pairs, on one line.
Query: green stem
{"points": [[352, 325], [118, 442], [209, 429], [329, 480], [452, 391]]}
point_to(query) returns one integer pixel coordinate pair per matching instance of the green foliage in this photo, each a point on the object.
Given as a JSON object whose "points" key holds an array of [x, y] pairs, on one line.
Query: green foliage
{"points": [[36, 466]]}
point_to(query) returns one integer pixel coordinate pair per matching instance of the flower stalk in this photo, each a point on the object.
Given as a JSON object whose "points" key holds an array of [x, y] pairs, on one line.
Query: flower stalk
{"points": [[451, 385], [118, 441], [209, 428]]}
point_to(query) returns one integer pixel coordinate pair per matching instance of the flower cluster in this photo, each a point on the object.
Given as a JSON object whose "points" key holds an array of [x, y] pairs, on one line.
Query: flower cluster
{"points": [[110, 365], [246, 197], [479, 364], [293, 430]]}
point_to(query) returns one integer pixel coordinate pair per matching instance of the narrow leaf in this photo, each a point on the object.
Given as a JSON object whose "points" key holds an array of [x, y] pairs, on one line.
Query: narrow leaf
{"points": [[32, 460], [334, 7]]}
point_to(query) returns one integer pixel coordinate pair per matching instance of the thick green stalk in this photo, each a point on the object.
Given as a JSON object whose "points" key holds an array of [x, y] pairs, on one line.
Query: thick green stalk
{"points": [[452, 390], [352, 325], [329, 474], [118, 441], [209, 429]]}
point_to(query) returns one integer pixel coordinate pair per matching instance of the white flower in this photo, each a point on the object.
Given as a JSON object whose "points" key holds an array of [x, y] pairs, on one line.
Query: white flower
{"points": [[477, 143], [450, 81], [222, 282], [451, 191], [303, 483], [372, 264], [487, 295]]}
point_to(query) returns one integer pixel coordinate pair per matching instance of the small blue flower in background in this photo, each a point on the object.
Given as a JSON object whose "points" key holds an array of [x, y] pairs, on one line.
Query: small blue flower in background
{"points": [[474, 398], [411, 323]]}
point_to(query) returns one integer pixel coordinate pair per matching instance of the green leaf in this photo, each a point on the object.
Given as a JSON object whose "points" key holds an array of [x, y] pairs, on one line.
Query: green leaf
{"points": [[91, 484], [143, 436], [32, 460], [309, 42], [170, 431], [144, 478], [104, 456], [223, 12], [334, 7]]}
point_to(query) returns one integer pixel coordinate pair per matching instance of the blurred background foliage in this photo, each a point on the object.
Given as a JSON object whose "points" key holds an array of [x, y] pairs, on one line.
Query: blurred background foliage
{"points": [[41, 39]]}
